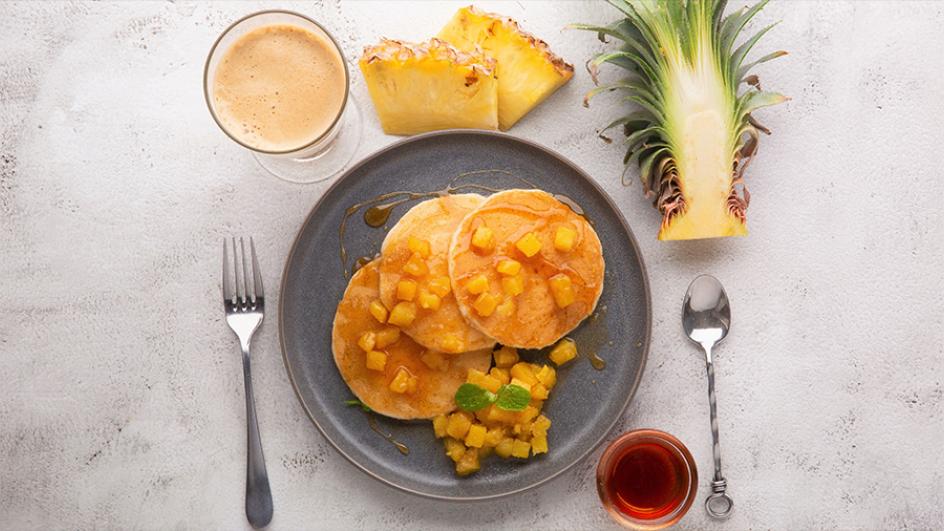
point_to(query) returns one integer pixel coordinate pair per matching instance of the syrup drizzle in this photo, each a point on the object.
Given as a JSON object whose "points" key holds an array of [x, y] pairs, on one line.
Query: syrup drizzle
{"points": [[372, 422]]}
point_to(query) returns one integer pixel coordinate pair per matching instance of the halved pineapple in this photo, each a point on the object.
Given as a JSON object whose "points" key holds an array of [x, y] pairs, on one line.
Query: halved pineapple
{"points": [[527, 70], [429, 86]]}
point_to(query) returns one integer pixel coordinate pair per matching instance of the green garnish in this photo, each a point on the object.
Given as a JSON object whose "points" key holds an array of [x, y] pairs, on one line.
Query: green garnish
{"points": [[513, 398], [358, 403], [472, 397]]}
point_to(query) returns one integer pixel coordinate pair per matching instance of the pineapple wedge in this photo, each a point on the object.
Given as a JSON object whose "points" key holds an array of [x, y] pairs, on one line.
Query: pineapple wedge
{"points": [[430, 86], [527, 70]]}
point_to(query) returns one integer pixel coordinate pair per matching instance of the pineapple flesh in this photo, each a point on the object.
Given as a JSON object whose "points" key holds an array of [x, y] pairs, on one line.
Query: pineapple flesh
{"points": [[527, 70], [430, 86]]}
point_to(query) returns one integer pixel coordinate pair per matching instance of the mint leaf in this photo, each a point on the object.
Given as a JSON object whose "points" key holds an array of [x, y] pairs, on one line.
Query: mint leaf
{"points": [[359, 404], [513, 398], [471, 397]]}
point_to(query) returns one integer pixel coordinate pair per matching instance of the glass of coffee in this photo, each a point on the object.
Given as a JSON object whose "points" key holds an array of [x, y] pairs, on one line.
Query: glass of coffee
{"points": [[277, 83]]}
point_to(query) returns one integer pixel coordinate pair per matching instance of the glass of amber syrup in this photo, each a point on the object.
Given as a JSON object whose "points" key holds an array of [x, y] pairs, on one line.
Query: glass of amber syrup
{"points": [[647, 479]]}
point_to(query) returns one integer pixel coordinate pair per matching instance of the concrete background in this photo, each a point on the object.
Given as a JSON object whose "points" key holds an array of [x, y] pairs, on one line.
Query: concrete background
{"points": [[122, 393]]}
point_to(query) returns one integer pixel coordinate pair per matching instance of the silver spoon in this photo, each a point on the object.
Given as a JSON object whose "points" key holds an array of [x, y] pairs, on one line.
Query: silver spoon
{"points": [[706, 318]]}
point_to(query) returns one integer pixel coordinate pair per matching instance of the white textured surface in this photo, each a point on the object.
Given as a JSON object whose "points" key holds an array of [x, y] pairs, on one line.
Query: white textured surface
{"points": [[122, 396]]}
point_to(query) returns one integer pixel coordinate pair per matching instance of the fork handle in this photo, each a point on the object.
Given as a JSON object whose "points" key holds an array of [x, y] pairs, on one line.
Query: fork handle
{"points": [[258, 493]]}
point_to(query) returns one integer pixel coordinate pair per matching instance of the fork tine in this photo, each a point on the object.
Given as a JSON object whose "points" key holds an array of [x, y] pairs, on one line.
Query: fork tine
{"points": [[256, 274], [227, 283], [240, 282], [247, 273]]}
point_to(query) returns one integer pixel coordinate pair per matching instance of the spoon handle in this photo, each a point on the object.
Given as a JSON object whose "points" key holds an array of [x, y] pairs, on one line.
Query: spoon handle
{"points": [[718, 504]]}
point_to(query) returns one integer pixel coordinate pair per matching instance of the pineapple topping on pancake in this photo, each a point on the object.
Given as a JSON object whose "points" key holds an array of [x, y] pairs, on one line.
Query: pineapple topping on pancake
{"points": [[414, 275], [525, 268], [386, 369]]}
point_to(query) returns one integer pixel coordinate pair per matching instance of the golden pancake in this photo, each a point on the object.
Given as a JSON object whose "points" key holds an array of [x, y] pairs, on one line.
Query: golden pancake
{"points": [[525, 268], [432, 390], [430, 224]]}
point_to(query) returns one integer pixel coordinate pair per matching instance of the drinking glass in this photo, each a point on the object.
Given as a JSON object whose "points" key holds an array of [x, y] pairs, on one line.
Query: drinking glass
{"points": [[611, 457], [323, 157]]}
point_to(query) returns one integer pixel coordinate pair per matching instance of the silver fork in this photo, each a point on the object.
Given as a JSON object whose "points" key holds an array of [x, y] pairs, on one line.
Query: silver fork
{"points": [[244, 305]]}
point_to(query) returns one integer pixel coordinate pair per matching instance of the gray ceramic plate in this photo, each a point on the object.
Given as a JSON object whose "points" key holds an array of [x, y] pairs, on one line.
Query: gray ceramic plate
{"points": [[583, 407]]}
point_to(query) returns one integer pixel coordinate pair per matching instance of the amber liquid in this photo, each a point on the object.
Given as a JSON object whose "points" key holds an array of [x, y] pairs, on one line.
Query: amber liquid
{"points": [[648, 481]]}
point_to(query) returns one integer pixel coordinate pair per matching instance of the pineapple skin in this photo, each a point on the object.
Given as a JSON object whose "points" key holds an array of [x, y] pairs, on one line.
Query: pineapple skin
{"points": [[430, 86], [527, 70]]}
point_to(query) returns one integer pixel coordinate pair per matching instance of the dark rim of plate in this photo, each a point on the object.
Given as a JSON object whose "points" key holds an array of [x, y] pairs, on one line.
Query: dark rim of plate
{"points": [[449, 132]]}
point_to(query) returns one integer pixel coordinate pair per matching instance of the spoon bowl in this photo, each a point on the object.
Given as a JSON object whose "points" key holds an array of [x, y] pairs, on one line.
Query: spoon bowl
{"points": [[706, 314]]}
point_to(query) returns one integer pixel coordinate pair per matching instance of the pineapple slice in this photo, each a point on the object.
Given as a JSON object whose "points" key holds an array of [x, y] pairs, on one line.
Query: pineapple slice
{"points": [[527, 70], [429, 86]]}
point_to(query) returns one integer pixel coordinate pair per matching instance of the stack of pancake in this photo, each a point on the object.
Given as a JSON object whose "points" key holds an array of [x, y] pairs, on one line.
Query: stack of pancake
{"points": [[458, 275]]}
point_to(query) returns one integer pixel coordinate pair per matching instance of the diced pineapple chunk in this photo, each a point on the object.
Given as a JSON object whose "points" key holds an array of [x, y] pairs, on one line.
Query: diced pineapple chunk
{"points": [[539, 444], [415, 266], [520, 383], [522, 371], [434, 360], [500, 374], [540, 426], [481, 379], [564, 238], [475, 437], [483, 239], [454, 448], [418, 246], [477, 284], [563, 290], [439, 426], [367, 341], [494, 436], [482, 414], [406, 290], [427, 300], [376, 360], [539, 392], [378, 310], [564, 351], [522, 430], [401, 381], [452, 344], [513, 285], [485, 304], [403, 314], [521, 449], [547, 375], [505, 357], [504, 448], [529, 244], [468, 464], [508, 267], [387, 336], [528, 414], [459, 424], [440, 286], [507, 308], [500, 416]]}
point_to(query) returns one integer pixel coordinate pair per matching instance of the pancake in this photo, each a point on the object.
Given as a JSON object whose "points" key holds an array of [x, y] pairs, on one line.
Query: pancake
{"points": [[538, 315], [433, 221], [435, 388]]}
